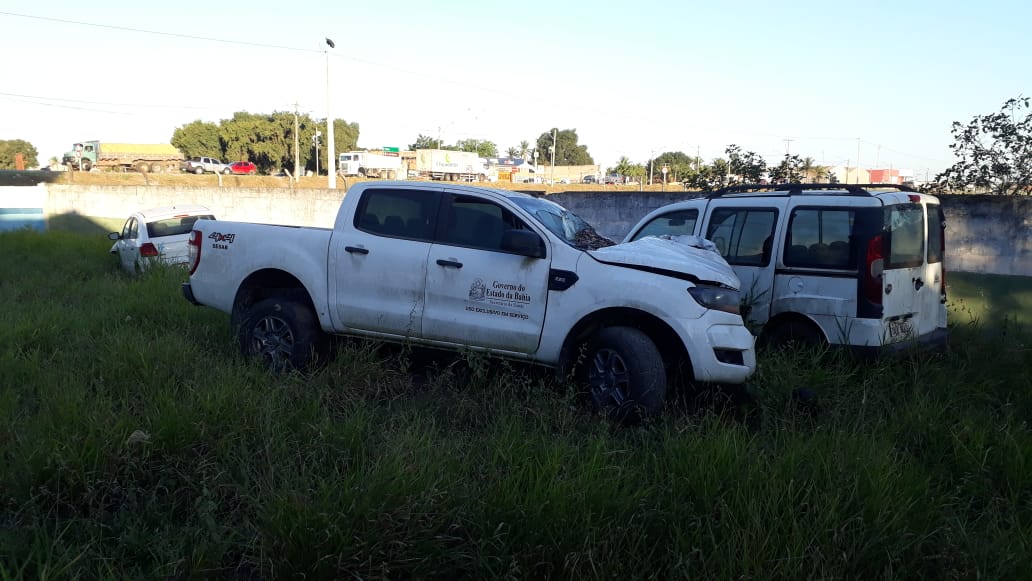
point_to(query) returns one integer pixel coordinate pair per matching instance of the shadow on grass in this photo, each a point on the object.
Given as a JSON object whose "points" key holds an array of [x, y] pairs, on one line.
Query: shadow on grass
{"points": [[79, 224]]}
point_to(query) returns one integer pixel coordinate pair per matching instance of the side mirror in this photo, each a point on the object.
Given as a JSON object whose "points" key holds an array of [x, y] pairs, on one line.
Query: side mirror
{"points": [[523, 242], [114, 236]]}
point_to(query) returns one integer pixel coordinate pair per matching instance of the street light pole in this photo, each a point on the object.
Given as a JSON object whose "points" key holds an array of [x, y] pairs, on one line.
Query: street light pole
{"points": [[331, 150]]}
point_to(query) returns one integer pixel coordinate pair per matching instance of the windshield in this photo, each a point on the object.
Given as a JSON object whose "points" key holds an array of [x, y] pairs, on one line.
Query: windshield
{"points": [[568, 226]]}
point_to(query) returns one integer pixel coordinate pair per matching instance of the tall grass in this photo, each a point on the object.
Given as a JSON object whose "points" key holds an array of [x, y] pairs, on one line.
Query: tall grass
{"points": [[135, 443]]}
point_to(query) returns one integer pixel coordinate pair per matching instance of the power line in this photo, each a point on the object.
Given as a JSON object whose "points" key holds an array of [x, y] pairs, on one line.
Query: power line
{"points": [[142, 105], [160, 33], [60, 106]]}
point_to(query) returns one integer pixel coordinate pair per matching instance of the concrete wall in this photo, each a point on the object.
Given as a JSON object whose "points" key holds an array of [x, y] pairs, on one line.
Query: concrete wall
{"points": [[986, 234], [989, 234], [294, 207]]}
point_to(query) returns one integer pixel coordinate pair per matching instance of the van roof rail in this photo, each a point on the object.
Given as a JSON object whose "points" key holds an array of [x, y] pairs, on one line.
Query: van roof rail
{"points": [[797, 189]]}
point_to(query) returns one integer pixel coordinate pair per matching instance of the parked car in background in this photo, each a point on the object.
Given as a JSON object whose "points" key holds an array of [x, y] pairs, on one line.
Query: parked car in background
{"points": [[199, 165], [854, 265], [589, 180], [243, 167], [157, 235]]}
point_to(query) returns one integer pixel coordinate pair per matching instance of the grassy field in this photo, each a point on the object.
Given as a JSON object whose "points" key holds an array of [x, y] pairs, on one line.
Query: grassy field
{"points": [[135, 443]]}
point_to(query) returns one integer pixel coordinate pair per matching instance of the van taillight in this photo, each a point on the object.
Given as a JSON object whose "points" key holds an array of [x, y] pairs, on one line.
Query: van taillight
{"points": [[873, 266], [148, 250], [194, 247]]}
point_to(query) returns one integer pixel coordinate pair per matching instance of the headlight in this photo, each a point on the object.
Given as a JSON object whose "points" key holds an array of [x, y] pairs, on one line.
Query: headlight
{"points": [[717, 298]]}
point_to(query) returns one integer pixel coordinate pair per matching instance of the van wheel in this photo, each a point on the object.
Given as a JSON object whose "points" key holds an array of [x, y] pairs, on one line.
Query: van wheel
{"points": [[624, 374], [793, 335], [283, 334]]}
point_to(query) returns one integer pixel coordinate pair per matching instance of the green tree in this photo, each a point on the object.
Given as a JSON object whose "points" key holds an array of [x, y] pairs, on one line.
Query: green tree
{"points": [[9, 150], [707, 177], [525, 149], [198, 138], [567, 150], [745, 165], [789, 171], [678, 163], [625, 167], [481, 147], [512, 152], [994, 151], [425, 142]]}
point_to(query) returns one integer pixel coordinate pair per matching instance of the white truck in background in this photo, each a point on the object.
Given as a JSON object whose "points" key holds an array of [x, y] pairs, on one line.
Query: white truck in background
{"points": [[451, 166], [369, 164]]}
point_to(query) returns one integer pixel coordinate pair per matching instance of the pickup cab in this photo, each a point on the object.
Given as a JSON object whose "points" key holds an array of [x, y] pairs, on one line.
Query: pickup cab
{"points": [[495, 271], [199, 165]]}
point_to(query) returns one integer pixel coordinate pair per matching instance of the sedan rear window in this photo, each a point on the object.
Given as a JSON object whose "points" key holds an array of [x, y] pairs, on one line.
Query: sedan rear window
{"points": [[174, 226]]}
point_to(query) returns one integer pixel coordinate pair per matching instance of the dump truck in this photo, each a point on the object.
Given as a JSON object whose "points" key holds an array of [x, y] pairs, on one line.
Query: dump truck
{"points": [[155, 158], [452, 166]]}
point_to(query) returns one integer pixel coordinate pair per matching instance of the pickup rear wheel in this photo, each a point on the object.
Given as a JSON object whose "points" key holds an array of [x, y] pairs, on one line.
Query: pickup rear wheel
{"points": [[624, 374], [284, 334], [198, 170]]}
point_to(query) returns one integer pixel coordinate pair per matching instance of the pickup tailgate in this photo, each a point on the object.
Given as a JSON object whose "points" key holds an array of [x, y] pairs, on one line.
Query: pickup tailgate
{"points": [[233, 252]]}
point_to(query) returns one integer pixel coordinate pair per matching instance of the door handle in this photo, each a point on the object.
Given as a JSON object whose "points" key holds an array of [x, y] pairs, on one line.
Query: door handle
{"points": [[356, 250], [450, 263], [918, 283]]}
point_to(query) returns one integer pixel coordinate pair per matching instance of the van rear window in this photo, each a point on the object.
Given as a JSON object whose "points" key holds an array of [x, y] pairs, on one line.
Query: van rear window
{"points": [[906, 236], [935, 234]]}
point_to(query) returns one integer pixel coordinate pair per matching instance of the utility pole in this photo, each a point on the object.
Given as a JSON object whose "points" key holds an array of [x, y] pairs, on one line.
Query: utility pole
{"points": [[297, 151], [788, 146], [652, 160], [555, 135]]}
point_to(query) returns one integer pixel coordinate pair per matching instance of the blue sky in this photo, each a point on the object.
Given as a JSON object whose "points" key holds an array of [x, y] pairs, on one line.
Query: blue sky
{"points": [[884, 80]]}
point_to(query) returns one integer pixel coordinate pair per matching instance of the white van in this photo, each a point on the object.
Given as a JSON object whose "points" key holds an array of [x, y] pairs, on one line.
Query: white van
{"points": [[855, 265]]}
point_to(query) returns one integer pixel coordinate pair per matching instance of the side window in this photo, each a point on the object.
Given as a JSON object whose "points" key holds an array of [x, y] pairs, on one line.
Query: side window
{"points": [[820, 238], [134, 229], [127, 228], [936, 233], [743, 235], [675, 223], [906, 235], [398, 213], [476, 223]]}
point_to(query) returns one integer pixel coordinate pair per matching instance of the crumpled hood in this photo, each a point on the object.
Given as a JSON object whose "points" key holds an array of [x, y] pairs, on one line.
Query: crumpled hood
{"points": [[691, 255]]}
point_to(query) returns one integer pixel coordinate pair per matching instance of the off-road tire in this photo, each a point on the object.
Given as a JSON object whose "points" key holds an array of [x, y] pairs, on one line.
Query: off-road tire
{"points": [[623, 374], [282, 333]]}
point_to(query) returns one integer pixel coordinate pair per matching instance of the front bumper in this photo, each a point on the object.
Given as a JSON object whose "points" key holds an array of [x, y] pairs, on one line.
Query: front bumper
{"points": [[719, 352]]}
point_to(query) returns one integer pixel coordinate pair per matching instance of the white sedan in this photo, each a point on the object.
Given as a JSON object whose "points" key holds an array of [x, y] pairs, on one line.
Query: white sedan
{"points": [[157, 234]]}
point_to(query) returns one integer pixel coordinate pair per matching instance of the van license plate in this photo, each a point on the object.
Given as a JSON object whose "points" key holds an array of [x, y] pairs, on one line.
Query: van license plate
{"points": [[900, 329]]}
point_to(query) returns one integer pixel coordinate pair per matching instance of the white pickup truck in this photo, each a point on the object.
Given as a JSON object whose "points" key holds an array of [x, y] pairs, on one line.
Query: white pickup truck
{"points": [[490, 270]]}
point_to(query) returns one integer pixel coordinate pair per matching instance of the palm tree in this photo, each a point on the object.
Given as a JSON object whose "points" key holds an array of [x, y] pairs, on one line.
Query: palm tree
{"points": [[511, 152], [808, 166], [524, 148]]}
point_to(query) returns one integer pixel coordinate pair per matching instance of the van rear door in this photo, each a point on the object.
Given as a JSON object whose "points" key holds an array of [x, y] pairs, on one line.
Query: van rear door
{"points": [[906, 312]]}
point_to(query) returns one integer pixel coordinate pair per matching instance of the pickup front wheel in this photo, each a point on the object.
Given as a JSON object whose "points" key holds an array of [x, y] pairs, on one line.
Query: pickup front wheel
{"points": [[283, 334], [624, 374]]}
